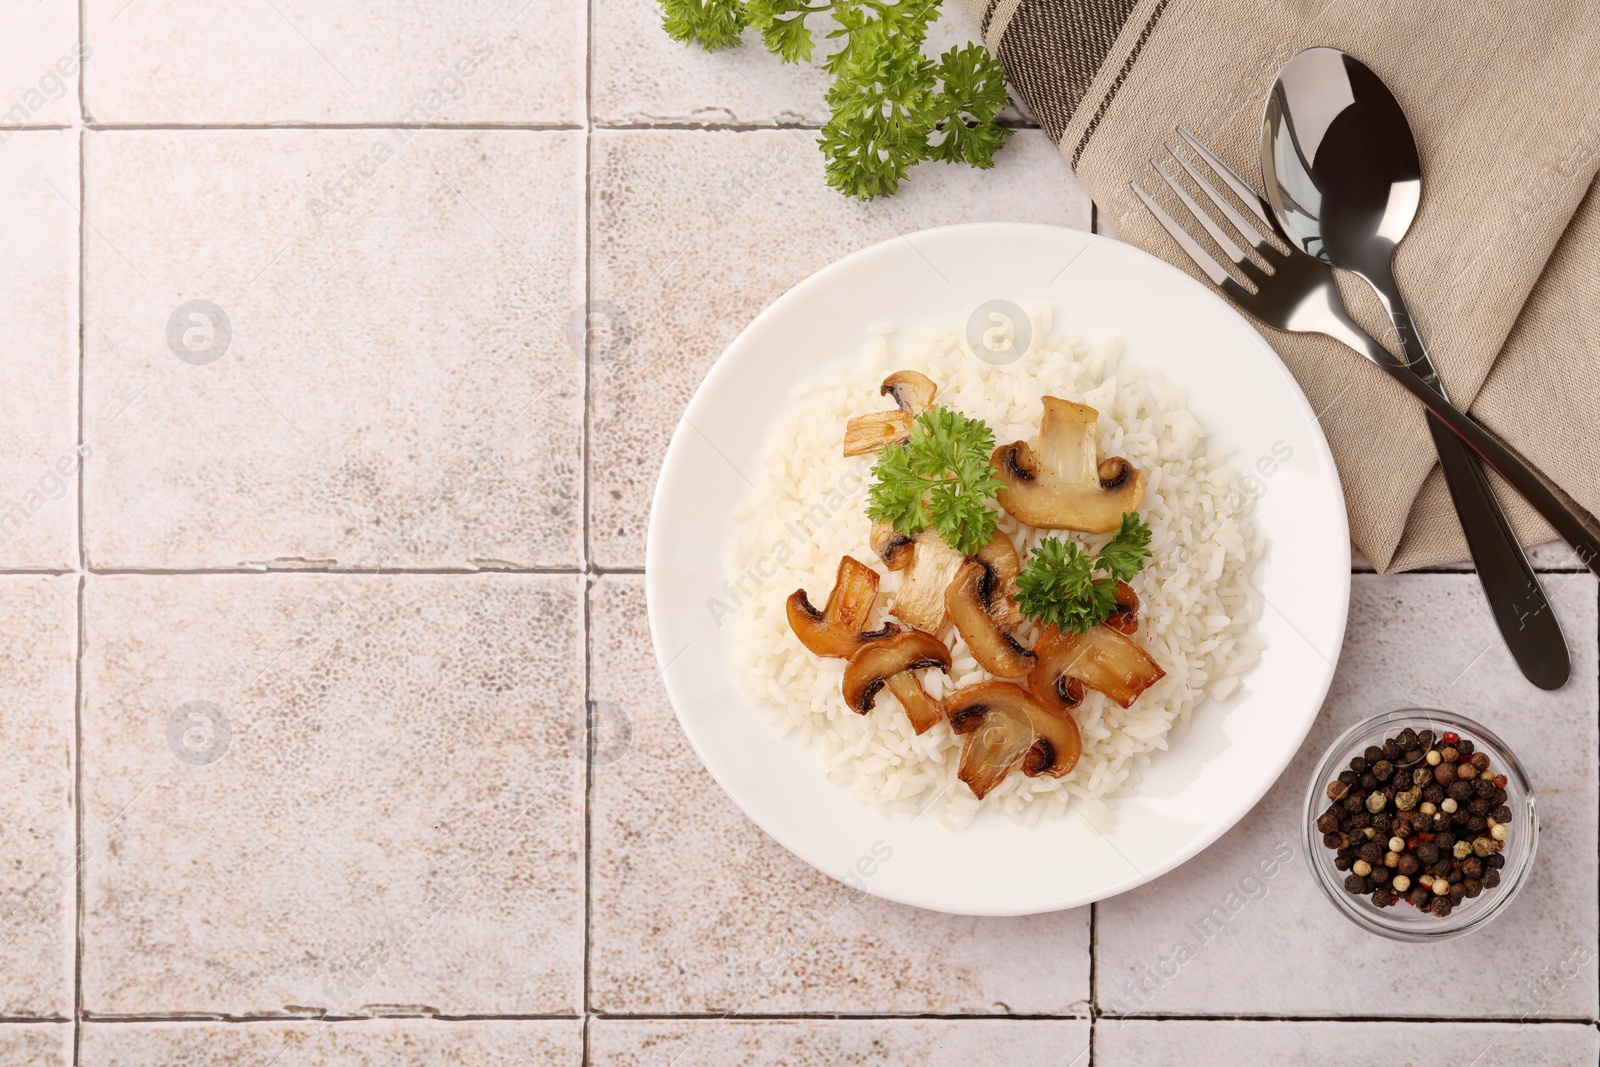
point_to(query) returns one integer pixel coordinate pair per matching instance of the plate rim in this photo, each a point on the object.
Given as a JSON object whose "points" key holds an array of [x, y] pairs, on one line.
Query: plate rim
{"points": [[821, 277]]}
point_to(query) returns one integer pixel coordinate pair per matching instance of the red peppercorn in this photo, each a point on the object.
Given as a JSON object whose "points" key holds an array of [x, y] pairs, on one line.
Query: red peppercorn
{"points": [[1500, 781], [1413, 842], [1450, 738]]}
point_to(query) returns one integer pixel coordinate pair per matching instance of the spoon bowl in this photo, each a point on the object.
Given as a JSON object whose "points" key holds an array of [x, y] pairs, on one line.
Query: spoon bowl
{"points": [[1344, 180], [1340, 162]]}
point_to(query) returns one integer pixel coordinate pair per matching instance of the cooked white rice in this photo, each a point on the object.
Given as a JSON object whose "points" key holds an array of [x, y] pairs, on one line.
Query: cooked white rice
{"points": [[1197, 601]]}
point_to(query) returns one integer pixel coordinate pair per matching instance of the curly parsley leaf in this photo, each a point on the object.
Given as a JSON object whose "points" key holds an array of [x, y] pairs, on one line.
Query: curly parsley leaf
{"points": [[712, 24], [962, 118], [891, 106], [1124, 555], [783, 26], [1057, 586], [942, 478]]}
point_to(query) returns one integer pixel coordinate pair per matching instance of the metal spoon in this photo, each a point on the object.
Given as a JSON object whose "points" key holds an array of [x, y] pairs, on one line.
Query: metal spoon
{"points": [[1344, 179]]}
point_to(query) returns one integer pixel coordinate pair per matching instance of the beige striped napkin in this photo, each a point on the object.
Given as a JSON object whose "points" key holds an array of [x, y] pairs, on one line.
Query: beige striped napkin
{"points": [[1502, 268]]}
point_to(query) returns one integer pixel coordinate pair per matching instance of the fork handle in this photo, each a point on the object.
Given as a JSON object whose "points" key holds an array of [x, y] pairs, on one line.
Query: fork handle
{"points": [[1571, 519], [1518, 603]]}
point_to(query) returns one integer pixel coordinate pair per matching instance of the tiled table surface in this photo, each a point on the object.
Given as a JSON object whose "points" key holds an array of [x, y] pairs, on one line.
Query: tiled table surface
{"points": [[297, 670]]}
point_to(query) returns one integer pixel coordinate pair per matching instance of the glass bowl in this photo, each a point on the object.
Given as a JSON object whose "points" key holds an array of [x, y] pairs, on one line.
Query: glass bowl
{"points": [[1402, 921]]}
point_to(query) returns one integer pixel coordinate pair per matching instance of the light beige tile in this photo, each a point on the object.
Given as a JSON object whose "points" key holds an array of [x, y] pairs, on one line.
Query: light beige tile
{"points": [[826, 1042], [1550, 556], [1413, 640], [397, 387], [36, 1044], [38, 878], [39, 460], [385, 1042], [694, 233], [696, 910], [1363, 1044], [39, 63], [409, 62], [642, 76], [377, 800]]}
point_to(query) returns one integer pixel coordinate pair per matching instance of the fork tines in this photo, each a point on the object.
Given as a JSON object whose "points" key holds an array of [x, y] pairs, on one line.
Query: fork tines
{"points": [[1243, 226]]}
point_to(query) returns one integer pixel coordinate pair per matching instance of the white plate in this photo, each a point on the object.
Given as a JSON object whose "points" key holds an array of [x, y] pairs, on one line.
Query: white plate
{"points": [[1232, 751]]}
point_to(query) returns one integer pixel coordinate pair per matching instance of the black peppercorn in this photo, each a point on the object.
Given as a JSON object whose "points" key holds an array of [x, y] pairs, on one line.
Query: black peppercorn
{"points": [[1391, 791]]}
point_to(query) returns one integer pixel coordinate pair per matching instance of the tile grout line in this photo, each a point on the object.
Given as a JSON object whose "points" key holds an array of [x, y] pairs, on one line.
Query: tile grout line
{"points": [[588, 541], [816, 1016], [532, 127], [78, 807], [1094, 961]]}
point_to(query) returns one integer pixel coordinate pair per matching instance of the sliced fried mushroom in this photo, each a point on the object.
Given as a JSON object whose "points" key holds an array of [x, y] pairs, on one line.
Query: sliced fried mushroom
{"points": [[1103, 659], [892, 546], [913, 392], [1124, 618], [919, 601], [836, 630], [1064, 485], [891, 661], [876, 431], [1000, 556], [1005, 728], [970, 599]]}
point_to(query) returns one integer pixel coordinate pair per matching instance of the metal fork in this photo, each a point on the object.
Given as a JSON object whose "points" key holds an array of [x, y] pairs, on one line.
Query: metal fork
{"points": [[1297, 292], [1518, 603]]}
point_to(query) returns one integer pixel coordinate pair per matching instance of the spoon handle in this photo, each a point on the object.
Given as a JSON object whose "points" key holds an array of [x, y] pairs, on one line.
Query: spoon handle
{"points": [[1521, 610], [1571, 519]]}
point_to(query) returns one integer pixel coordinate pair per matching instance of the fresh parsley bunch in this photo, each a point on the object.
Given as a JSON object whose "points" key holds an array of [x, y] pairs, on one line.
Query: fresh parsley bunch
{"points": [[1058, 584], [892, 106], [942, 478]]}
